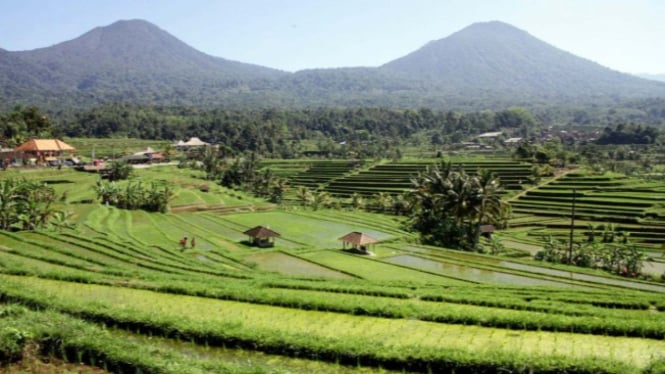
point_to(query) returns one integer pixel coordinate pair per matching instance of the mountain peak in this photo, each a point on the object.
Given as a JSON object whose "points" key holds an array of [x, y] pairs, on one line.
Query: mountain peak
{"points": [[491, 26], [136, 61], [498, 57]]}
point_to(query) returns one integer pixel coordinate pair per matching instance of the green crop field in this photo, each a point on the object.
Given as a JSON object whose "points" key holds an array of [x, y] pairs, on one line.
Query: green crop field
{"points": [[115, 291]]}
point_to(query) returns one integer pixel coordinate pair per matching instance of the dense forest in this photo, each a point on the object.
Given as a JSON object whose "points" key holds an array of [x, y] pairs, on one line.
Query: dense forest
{"points": [[363, 132], [279, 132]]}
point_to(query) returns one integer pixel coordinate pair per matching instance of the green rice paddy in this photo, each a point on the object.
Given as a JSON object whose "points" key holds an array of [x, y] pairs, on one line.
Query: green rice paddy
{"points": [[119, 285]]}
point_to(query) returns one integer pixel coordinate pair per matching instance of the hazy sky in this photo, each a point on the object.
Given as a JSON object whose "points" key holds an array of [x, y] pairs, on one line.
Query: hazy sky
{"points": [[625, 35]]}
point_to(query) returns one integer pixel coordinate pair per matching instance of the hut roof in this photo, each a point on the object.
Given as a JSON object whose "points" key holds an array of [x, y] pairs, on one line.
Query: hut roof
{"points": [[358, 238], [261, 232], [493, 134], [487, 228], [136, 156], [147, 150], [44, 145], [194, 141]]}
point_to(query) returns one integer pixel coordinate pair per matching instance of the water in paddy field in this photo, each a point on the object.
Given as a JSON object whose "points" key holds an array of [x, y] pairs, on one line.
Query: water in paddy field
{"points": [[583, 277], [468, 273], [290, 265]]}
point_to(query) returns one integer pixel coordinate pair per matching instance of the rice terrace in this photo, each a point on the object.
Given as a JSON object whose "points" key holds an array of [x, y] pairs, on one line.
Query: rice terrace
{"points": [[485, 203], [112, 288]]}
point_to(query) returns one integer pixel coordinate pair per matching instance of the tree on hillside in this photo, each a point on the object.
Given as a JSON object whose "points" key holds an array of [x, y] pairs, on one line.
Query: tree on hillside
{"points": [[23, 123], [450, 205], [304, 195], [120, 171], [25, 205]]}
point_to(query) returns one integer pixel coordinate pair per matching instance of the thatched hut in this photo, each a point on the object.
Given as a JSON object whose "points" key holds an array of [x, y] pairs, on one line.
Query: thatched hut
{"points": [[358, 241], [262, 236]]}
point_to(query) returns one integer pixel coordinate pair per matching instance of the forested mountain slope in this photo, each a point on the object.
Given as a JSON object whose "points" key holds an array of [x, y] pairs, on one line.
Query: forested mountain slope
{"points": [[486, 65]]}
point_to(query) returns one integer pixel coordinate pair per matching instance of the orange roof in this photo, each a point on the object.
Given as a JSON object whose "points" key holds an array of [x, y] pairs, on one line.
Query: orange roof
{"points": [[358, 238], [261, 232], [44, 145]]}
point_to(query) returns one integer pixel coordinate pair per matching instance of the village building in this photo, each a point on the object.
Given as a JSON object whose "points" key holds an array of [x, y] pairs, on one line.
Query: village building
{"points": [[43, 151], [512, 141], [145, 156], [192, 143]]}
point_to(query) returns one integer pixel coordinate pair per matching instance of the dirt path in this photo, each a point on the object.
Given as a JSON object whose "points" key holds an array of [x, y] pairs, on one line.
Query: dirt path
{"points": [[557, 174]]}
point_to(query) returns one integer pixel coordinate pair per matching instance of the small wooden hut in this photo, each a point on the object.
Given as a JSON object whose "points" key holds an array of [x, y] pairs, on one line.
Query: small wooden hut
{"points": [[262, 236], [486, 230], [358, 241]]}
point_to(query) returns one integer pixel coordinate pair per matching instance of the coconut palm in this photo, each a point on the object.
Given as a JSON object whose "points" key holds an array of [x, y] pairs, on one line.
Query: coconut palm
{"points": [[357, 201], [384, 201], [401, 204], [305, 195], [456, 203], [485, 203], [321, 200], [278, 186]]}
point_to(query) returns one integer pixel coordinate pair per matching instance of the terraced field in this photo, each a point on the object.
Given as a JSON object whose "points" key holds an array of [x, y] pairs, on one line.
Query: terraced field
{"points": [[628, 205], [344, 178], [118, 294], [394, 177]]}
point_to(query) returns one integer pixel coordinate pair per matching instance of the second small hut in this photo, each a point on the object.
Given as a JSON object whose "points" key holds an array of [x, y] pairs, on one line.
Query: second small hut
{"points": [[262, 236], [358, 241]]}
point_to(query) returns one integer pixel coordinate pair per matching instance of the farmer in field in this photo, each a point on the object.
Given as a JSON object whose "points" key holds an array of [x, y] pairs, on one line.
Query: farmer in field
{"points": [[193, 242], [183, 243]]}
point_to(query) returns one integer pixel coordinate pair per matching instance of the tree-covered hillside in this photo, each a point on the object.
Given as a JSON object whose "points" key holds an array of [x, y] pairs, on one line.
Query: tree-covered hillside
{"points": [[490, 65]]}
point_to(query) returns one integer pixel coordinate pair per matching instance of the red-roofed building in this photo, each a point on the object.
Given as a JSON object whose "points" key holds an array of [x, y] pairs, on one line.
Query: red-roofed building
{"points": [[43, 150]]}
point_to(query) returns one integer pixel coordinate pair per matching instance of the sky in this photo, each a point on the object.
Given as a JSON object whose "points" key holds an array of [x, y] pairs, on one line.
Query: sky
{"points": [[291, 35]]}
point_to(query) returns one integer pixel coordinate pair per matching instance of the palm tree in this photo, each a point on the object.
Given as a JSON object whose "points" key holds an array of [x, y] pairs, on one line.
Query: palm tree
{"points": [[384, 201], [454, 201], [305, 196], [212, 164], [357, 201], [401, 204], [321, 200], [486, 205], [277, 188]]}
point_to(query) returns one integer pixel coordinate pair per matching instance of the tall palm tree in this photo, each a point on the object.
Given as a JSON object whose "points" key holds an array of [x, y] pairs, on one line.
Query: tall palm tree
{"points": [[486, 203], [463, 201], [357, 201], [305, 195], [321, 200], [384, 201], [278, 186]]}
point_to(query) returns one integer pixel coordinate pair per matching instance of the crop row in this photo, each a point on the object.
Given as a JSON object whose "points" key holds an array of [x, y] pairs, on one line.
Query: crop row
{"points": [[401, 344], [600, 200], [238, 291], [78, 342], [504, 300]]}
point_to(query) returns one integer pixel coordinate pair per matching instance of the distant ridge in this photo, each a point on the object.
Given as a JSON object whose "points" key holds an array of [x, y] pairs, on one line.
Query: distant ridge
{"points": [[495, 56], [489, 64], [655, 77]]}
